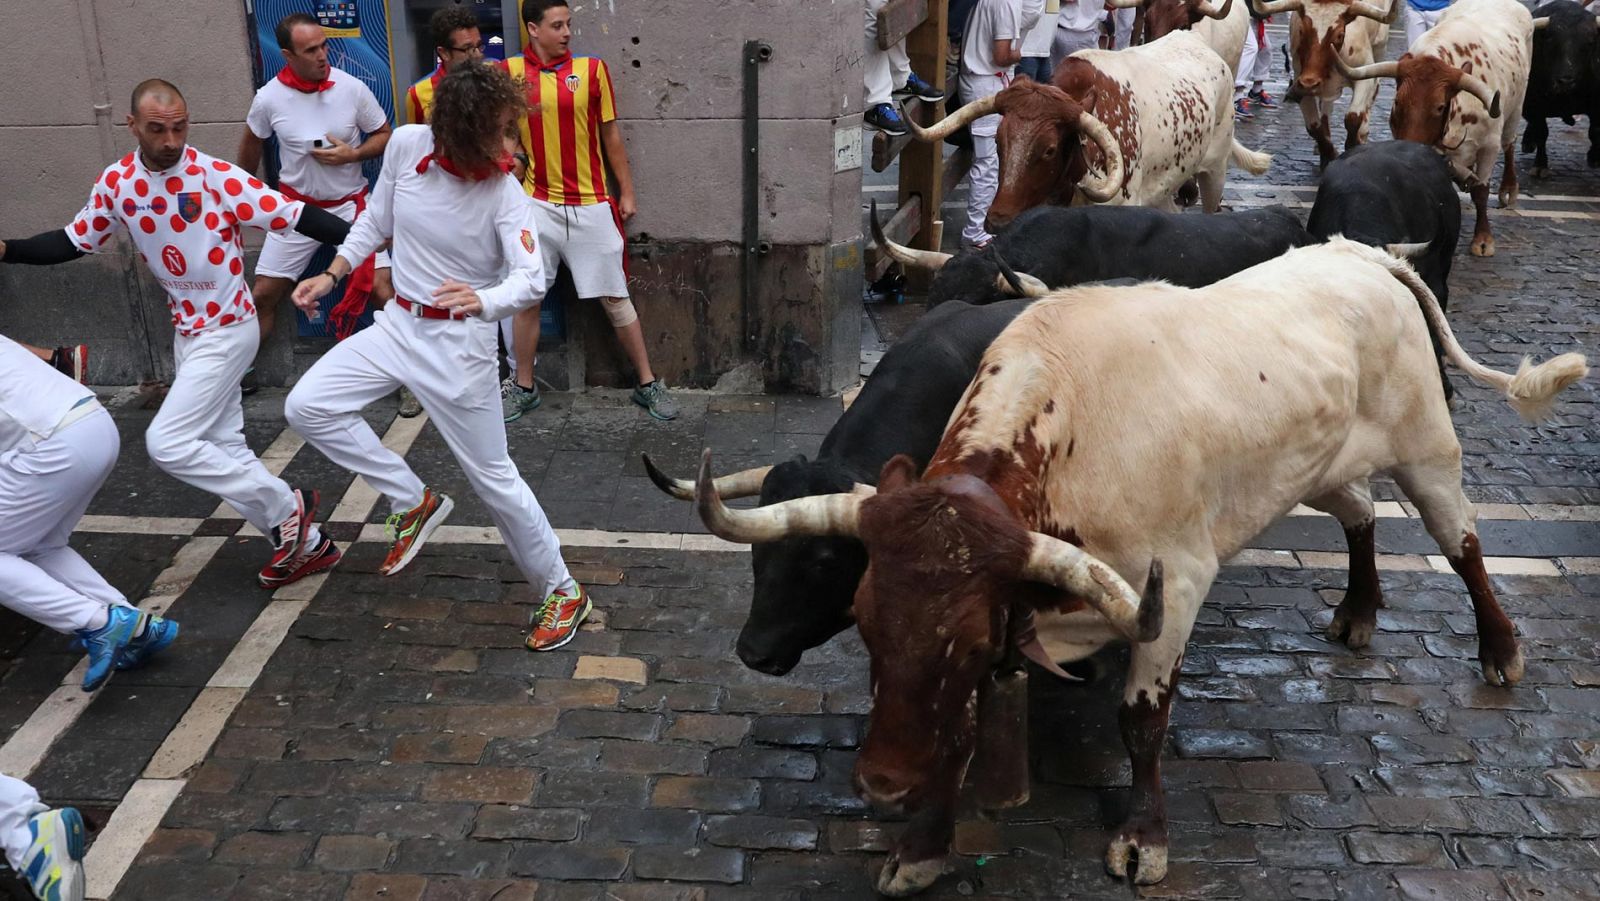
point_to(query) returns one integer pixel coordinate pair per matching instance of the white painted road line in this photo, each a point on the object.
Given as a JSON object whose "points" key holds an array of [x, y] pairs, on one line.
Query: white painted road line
{"points": [[125, 833]]}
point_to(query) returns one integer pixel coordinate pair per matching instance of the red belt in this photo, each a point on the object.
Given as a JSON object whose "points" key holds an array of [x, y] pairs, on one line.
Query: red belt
{"points": [[358, 288], [423, 311]]}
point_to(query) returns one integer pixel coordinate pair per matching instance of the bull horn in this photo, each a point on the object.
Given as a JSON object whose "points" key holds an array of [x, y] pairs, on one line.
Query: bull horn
{"points": [[1373, 11], [1020, 284], [1466, 177], [738, 484], [947, 126], [1054, 562], [828, 514], [1407, 251], [1480, 89], [1273, 7], [1212, 10], [1386, 69], [1101, 190], [906, 256], [1541, 22]]}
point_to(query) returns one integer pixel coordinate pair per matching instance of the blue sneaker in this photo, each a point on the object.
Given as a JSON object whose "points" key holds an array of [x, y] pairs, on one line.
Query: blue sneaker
{"points": [[53, 864], [158, 633], [916, 87], [105, 644], [885, 118]]}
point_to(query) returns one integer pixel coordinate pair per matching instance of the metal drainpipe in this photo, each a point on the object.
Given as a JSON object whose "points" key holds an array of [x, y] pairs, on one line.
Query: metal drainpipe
{"points": [[755, 53]]}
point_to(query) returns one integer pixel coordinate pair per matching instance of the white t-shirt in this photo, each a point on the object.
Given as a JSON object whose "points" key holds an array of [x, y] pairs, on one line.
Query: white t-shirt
{"points": [[991, 20], [33, 395], [1036, 37], [187, 223], [479, 232], [1081, 15], [345, 111]]}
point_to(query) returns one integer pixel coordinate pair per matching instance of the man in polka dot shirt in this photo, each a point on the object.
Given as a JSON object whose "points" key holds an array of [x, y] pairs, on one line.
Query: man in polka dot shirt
{"points": [[185, 213]]}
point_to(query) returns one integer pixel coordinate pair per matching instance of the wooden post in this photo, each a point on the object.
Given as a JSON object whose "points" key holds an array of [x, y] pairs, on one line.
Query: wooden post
{"points": [[922, 165]]}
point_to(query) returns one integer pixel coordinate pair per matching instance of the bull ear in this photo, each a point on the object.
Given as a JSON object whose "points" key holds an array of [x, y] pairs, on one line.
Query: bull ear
{"points": [[899, 472]]}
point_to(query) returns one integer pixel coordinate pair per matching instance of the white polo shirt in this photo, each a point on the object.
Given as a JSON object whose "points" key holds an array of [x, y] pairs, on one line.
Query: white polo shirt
{"points": [[187, 224], [346, 111], [34, 397], [480, 232], [991, 20]]}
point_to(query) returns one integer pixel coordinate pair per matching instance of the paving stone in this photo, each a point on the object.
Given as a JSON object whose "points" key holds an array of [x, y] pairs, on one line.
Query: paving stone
{"points": [[569, 861], [762, 833], [264, 849], [1400, 850], [500, 822], [193, 845], [404, 819], [450, 888], [451, 857], [1228, 743], [1449, 885], [352, 852], [610, 724], [702, 793], [1329, 812], [267, 884], [713, 729], [431, 748], [763, 763], [386, 887], [562, 788], [480, 783], [724, 865], [652, 757], [1576, 783], [1237, 809]]}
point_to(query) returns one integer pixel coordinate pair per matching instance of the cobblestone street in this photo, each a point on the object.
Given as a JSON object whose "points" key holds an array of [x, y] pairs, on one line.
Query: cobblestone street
{"points": [[360, 737]]}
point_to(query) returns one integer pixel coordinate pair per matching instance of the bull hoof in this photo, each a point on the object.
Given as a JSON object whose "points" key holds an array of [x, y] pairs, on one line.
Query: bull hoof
{"points": [[1483, 247], [901, 880], [1353, 623], [1541, 172], [1145, 859], [1508, 199], [1502, 666]]}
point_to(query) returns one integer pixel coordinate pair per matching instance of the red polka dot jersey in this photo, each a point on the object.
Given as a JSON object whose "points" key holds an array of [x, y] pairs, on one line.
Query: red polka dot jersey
{"points": [[186, 223]]}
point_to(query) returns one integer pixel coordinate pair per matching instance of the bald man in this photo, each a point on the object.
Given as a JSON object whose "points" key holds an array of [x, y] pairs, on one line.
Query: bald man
{"points": [[183, 211]]}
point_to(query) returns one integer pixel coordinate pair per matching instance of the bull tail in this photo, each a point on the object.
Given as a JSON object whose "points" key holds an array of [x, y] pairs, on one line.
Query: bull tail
{"points": [[1531, 391], [1251, 161]]}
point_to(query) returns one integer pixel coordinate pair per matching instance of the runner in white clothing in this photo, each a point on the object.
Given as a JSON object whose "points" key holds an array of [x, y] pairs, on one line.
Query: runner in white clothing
{"points": [[318, 114], [990, 49], [185, 212], [57, 445], [45, 847], [465, 255]]}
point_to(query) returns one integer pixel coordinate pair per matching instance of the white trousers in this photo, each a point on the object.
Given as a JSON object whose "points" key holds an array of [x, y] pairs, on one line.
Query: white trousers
{"points": [[983, 180], [18, 803], [198, 436], [1255, 62], [44, 488], [1123, 36], [886, 70], [1419, 21], [450, 366]]}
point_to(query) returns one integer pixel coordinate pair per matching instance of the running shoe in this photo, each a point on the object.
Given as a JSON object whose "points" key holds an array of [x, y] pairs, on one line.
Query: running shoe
{"points": [[516, 400], [558, 618], [53, 863], [71, 361], [105, 644], [410, 529], [288, 540], [654, 398]]}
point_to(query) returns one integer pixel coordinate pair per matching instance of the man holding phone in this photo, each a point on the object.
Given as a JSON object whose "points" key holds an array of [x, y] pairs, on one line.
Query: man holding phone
{"points": [[318, 114]]}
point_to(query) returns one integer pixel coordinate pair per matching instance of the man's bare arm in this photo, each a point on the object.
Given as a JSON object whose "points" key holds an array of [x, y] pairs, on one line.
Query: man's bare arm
{"points": [[249, 157]]}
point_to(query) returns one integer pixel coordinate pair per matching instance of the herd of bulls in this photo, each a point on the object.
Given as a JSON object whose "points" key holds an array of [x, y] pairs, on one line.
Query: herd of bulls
{"points": [[1110, 400]]}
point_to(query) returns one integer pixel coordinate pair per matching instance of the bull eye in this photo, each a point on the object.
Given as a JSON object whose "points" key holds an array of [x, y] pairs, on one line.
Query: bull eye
{"points": [[1049, 151]]}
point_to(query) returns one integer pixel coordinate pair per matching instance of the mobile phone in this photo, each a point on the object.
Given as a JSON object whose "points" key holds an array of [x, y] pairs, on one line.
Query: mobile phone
{"points": [[316, 142]]}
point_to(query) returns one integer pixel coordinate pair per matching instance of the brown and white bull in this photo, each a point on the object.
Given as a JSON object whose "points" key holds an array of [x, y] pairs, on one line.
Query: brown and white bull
{"points": [[1115, 447], [1323, 33], [1222, 26], [1123, 127], [1460, 89]]}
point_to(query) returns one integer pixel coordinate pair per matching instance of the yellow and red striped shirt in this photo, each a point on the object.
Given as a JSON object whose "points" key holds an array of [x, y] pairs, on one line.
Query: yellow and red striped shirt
{"points": [[419, 99], [567, 165]]}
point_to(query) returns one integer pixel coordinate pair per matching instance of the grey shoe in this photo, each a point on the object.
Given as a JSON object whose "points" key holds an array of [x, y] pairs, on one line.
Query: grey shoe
{"points": [[516, 400], [654, 398], [409, 405]]}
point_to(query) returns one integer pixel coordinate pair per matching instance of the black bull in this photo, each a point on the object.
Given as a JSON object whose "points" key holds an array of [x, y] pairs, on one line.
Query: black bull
{"points": [[1563, 79], [804, 587]]}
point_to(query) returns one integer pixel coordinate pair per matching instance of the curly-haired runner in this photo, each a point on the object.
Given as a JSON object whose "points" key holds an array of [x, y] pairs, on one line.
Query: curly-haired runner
{"points": [[457, 221]]}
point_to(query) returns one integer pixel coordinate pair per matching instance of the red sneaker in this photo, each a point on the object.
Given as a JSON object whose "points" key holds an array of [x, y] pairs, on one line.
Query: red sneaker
{"points": [[288, 540], [323, 555], [409, 530], [72, 361], [558, 619]]}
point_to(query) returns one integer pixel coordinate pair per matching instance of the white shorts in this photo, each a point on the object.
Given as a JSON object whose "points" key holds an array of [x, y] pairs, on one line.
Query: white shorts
{"points": [[286, 255], [589, 240]]}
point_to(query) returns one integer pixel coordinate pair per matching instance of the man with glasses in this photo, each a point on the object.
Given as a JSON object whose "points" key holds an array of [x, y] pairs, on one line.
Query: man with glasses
{"points": [[456, 40], [318, 114]]}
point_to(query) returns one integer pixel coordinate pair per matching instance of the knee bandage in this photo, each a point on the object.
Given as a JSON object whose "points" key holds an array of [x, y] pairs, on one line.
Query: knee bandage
{"points": [[620, 310]]}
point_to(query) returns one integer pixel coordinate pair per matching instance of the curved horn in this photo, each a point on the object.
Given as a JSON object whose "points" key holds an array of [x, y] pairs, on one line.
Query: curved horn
{"points": [[1021, 284], [1464, 176], [947, 126], [1273, 7], [1052, 561], [738, 484], [1385, 69], [828, 514], [1407, 251], [1373, 11], [1103, 189], [1212, 10], [1541, 22], [1480, 89], [907, 256]]}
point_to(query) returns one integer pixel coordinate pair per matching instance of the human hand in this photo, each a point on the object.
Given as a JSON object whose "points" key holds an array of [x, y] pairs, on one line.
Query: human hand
{"points": [[338, 153], [457, 297], [307, 293], [627, 205]]}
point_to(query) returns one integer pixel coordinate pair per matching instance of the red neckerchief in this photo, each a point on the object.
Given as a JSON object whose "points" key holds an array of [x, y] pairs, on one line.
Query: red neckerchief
{"points": [[288, 77], [499, 167], [542, 66]]}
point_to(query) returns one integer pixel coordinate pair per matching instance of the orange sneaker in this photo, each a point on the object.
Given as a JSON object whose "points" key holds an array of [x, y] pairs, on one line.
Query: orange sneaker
{"points": [[558, 618], [409, 530]]}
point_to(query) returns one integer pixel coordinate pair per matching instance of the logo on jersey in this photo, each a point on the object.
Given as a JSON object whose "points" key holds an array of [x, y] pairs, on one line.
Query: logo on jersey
{"points": [[172, 258], [572, 83], [189, 206], [527, 240]]}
